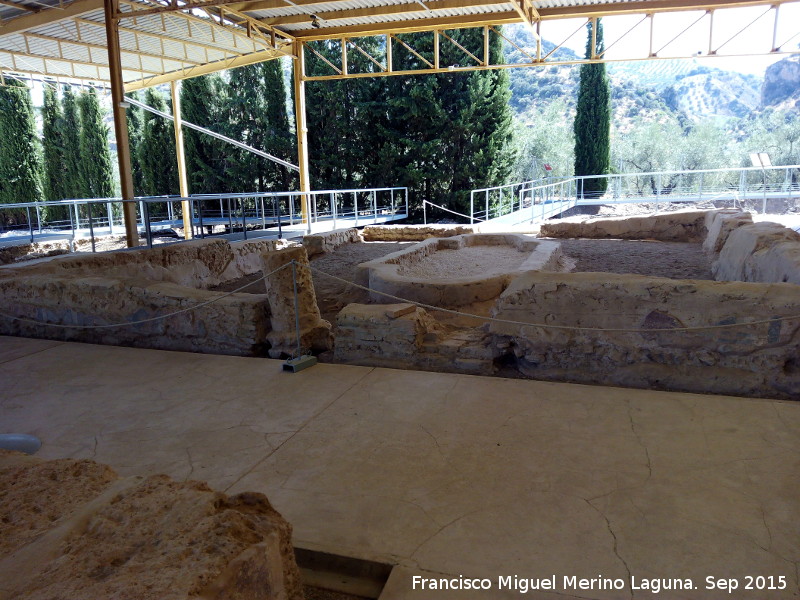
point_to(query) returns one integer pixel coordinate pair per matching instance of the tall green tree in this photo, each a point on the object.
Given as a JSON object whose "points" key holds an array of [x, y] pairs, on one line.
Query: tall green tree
{"points": [[203, 102], [71, 138], [439, 135], [20, 160], [96, 170], [134, 119], [52, 127], [156, 151], [593, 118]]}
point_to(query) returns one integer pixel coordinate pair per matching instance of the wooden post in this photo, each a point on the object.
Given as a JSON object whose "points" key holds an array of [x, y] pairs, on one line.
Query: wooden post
{"points": [[183, 182], [120, 122]]}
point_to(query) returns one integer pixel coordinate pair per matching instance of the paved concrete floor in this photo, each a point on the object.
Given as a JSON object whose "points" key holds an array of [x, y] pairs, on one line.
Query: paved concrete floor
{"points": [[444, 474]]}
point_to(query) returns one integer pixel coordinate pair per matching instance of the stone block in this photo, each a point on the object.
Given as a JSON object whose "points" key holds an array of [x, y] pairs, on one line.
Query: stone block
{"points": [[720, 224], [761, 252], [315, 332], [320, 243], [96, 536], [680, 226]]}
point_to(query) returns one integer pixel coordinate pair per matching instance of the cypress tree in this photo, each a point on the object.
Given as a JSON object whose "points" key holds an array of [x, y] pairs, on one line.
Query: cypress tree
{"points": [[203, 103], [134, 119], [593, 120], [20, 160], [71, 138], [52, 128], [280, 141], [157, 150], [96, 171]]}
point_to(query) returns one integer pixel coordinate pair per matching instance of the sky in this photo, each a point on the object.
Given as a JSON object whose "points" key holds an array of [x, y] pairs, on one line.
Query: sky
{"points": [[694, 41]]}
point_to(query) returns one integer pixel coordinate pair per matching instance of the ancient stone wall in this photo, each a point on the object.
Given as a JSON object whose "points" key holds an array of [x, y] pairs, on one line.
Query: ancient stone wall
{"points": [[758, 360], [681, 226], [237, 324], [760, 252], [405, 336], [319, 243], [412, 233], [136, 285], [72, 529], [384, 274]]}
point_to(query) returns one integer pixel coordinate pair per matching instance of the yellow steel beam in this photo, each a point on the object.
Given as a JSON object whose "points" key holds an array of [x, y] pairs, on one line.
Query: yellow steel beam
{"points": [[418, 25], [20, 6], [298, 79], [49, 15], [232, 63], [120, 124], [180, 155], [647, 6]]}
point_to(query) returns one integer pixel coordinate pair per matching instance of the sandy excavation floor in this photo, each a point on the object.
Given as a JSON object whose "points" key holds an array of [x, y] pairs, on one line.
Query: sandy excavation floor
{"points": [[469, 261], [676, 260]]}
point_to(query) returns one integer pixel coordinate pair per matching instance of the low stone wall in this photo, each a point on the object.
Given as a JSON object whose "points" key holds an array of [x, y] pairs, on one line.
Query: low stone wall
{"points": [[237, 324], [320, 243], [405, 336], [758, 360], [72, 529], [135, 285], [680, 226], [719, 225], [383, 275], [760, 252], [412, 233]]}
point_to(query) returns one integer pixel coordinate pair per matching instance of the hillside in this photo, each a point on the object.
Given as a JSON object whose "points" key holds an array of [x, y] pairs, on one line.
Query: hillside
{"points": [[781, 87], [644, 88]]}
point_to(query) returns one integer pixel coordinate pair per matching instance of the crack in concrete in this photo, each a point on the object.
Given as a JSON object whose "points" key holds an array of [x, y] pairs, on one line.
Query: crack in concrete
{"points": [[191, 465], [640, 441], [301, 428], [615, 547]]}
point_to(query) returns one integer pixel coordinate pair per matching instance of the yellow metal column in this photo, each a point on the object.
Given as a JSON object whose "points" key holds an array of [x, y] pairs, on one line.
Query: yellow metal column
{"points": [[300, 125], [120, 122], [183, 182]]}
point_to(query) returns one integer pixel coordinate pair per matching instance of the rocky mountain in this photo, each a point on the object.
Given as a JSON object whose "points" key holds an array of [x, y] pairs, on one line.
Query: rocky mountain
{"points": [[691, 88], [781, 88]]}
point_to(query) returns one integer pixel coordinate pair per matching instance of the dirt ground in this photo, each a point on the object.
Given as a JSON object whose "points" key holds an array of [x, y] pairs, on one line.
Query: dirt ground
{"points": [[676, 260]]}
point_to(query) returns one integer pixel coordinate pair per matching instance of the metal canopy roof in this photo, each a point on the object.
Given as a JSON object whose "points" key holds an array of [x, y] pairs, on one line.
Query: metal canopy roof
{"points": [[166, 40]]}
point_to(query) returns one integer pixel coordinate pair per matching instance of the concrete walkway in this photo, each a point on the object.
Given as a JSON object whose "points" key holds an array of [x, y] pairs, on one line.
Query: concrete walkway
{"points": [[445, 475]]}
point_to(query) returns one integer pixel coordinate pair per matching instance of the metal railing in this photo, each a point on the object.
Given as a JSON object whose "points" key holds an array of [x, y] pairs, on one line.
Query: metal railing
{"points": [[738, 187], [270, 213]]}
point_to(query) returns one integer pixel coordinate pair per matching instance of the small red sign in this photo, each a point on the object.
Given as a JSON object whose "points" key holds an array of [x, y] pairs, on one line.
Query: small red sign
{"points": [[548, 168]]}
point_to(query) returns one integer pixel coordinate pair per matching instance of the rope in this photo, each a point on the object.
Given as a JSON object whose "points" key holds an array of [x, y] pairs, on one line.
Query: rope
{"points": [[452, 211], [548, 326], [151, 319], [414, 302]]}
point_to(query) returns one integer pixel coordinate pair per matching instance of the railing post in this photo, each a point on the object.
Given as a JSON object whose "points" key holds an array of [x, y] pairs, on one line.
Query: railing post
{"points": [[472, 207], [244, 218], [38, 218], [30, 222], [391, 199], [110, 214], [375, 205], [424, 212], [200, 220], [291, 210], [148, 232], [355, 206], [658, 191], [333, 208], [487, 206], [90, 207]]}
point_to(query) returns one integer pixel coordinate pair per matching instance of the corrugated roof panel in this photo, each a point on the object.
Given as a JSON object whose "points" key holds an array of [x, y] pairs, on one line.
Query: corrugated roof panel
{"points": [[409, 16]]}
